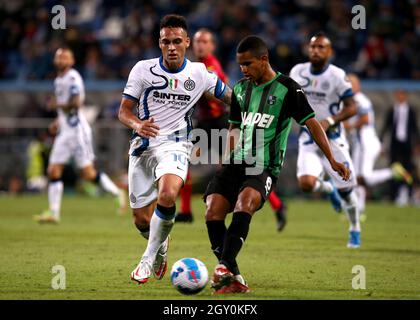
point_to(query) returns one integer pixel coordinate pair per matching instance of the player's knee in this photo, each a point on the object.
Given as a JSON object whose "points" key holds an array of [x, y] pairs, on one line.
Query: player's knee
{"points": [[89, 175], [306, 185], [248, 202], [167, 197], [53, 173]]}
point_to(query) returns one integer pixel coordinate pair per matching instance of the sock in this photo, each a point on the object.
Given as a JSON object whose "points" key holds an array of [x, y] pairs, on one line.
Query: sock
{"points": [[235, 237], [106, 183], [216, 230], [378, 176], [361, 196], [185, 195], [160, 226], [145, 232], [351, 208], [275, 201], [323, 186], [55, 193]]}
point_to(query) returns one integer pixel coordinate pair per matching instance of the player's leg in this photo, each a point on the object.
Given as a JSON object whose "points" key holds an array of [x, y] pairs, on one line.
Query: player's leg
{"points": [[309, 170], [347, 191], [185, 214], [143, 196], [85, 157], [249, 201], [163, 216], [55, 193], [279, 207], [59, 156], [170, 174], [90, 173]]}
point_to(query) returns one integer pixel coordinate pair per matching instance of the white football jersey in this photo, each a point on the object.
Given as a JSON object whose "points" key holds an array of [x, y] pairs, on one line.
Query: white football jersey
{"points": [[169, 97], [324, 91], [367, 132], [67, 86]]}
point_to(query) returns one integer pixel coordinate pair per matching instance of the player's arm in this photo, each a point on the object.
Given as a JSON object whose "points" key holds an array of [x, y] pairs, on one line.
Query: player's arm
{"points": [[226, 98], [363, 120], [144, 128], [349, 110], [73, 104], [320, 138]]}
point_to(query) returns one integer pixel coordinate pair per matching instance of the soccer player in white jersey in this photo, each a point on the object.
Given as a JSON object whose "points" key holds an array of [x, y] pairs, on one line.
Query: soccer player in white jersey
{"points": [[330, 94], [164, 91], [74, 138], [366, 147]]}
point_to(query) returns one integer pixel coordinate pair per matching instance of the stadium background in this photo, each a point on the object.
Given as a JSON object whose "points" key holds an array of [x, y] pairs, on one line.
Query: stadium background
{"points": [[109, 37]]}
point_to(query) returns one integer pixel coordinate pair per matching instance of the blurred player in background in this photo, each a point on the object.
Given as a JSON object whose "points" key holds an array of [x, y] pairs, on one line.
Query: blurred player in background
{"points": [[212, 115], [326, 86], [366, 147], [74, 138], [274, 99], [164, 90], [401, 124]]}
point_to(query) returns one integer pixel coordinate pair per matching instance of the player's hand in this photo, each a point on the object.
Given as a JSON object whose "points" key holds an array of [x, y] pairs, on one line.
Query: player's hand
{"points": [[341, 169], [147, 128], [51, 103]]}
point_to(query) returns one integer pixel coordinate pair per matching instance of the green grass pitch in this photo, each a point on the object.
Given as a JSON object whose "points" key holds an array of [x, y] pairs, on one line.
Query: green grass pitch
{"points": [[308, 260]]}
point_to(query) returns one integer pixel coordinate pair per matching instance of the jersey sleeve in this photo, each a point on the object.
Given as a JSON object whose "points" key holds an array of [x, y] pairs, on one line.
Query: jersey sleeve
{"points": [[297, 104], [343, 87], [76, 85], [235, 111], [363, 106], [293, 73], [134, 86], [213, 84]]}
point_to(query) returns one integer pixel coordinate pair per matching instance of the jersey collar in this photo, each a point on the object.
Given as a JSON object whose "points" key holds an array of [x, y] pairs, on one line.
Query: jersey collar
{"points": [[169, 71]]}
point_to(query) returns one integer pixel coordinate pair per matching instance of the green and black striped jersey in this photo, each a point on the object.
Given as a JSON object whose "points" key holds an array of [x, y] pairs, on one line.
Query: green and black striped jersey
{"points": [[264, 114]]}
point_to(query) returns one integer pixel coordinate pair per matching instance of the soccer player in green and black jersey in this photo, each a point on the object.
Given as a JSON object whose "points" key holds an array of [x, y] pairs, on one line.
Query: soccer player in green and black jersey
{"points": [[262, 108]]}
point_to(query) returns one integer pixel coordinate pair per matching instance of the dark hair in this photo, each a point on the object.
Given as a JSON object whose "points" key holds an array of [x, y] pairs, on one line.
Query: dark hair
{"points": [[253, 44], [173, 21], [321, 34]]}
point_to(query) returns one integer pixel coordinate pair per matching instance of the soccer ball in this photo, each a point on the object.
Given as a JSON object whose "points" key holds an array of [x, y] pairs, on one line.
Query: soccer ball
{"points": [[189, 275]]}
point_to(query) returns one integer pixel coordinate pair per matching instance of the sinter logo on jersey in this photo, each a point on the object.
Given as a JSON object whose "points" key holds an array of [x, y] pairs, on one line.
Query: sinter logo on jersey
{"points": [[262, 120]]}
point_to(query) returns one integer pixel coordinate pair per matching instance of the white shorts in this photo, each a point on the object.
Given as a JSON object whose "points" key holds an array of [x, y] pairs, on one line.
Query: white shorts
{"points": [[311, 161], [77, 146], [145, 170], [364, 155]]}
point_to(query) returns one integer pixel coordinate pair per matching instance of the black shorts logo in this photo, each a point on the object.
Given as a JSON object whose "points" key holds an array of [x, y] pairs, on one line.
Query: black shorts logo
{"points": [[189, 84]]}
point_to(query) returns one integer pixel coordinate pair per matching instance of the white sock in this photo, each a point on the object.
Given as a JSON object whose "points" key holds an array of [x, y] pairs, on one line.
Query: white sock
{"points": [[323, 186], [361, 195], [378, 176], [352, 210], [106, 183], [55, 192], [160, 227]]}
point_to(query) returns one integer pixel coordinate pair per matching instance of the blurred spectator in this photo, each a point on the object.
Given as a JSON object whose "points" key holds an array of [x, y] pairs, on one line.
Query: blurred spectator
{"points": [[109, 36], [401, 124]]}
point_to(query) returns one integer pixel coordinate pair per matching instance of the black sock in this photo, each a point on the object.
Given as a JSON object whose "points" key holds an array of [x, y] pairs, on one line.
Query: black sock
{"points": [[166, 213], [216, 230], [97, 178], [235, 237]]}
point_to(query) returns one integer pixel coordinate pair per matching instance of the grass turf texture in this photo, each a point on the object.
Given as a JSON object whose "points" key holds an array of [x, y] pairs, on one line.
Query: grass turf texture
{"points": [[308, 260]]}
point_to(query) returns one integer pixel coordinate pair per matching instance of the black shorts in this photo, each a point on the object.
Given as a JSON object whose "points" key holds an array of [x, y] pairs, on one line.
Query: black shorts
{"points": [[231, 179]]}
